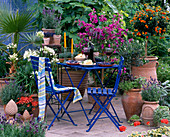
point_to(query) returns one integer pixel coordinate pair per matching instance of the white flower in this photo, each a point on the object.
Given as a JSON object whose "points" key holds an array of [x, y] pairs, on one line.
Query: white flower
{"points": [[15, 46], [29, 53], [54, 60], [11, 45], [40, 34], [13, 57], [48, 50]]}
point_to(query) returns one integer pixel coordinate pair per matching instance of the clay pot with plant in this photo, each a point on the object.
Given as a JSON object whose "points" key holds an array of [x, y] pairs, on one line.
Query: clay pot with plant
{"points": [[148, 23], [57, 35], [131, 99], [151, 93]]}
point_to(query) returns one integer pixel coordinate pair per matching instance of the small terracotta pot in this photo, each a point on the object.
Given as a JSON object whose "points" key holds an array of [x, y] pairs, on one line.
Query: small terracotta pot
{"points": [[49, 31], [132, 103], [148, 111], [57, 39], [46, 41]]}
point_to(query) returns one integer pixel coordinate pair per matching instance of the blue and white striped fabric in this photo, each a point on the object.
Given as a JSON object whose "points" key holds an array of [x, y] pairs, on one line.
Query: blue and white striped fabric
{"points": [[41, 87]]}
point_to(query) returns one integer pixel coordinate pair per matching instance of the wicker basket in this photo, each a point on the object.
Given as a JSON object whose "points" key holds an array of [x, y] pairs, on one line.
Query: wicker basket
{"points": [[76, 77]]}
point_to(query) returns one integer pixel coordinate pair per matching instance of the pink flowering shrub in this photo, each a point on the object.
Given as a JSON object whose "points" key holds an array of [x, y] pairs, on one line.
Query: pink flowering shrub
{"points": [[103, 32]]}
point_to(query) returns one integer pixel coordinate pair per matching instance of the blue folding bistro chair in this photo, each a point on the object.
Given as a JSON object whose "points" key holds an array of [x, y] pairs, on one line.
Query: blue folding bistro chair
{"points": [[109, 94], [54, 90]]}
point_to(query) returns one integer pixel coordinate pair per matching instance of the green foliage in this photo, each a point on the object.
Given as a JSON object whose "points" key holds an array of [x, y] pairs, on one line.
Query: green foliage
{"points": [[129, 82], [3, 67], [165, 100], [163, 71], [159, 132], [11, 91], [152, 91], [24, 77], [132, 53], [162, 112], [32, 128]]}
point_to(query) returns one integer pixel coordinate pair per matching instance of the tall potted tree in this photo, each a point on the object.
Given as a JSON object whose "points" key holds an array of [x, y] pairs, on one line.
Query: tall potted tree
{"points": [[148, 23]]}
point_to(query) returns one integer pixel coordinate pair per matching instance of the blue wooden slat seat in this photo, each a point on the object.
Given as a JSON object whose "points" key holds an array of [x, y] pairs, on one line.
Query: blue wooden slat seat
{"points": [[109, 95], [50, 90]]}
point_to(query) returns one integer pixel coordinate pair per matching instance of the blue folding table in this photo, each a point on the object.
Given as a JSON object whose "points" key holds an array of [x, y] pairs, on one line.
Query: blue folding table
{"points": [[94, 93]]}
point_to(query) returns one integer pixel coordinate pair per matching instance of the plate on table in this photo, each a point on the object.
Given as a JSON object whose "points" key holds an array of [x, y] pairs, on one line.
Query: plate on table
{"points": [[88, 65], [105, 64], [72, 62]]}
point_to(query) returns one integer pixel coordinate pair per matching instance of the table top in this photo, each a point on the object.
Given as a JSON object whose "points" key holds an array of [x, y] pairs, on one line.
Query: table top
{"points": [[83, 67]]}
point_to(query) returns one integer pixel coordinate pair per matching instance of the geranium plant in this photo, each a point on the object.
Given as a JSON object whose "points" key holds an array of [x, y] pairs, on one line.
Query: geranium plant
{"points": [[26, 103], [152, 21], [103, 32]]}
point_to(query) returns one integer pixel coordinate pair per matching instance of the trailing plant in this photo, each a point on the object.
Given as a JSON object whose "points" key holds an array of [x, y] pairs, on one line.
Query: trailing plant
{"points": [[162, 112], [11, 91], [152, 90]]}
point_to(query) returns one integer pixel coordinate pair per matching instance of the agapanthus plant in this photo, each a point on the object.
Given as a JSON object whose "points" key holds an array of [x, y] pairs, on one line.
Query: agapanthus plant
{"points": [[102, 31]]}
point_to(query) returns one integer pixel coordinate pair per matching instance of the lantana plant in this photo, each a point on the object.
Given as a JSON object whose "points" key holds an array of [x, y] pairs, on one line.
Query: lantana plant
{"points": [[103, 32], [152, 21]]}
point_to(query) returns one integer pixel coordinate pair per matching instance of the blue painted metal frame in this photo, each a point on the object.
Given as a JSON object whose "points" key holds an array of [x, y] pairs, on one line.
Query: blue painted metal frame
{"points": [[96, 98], [52, 92], [110, 94]]}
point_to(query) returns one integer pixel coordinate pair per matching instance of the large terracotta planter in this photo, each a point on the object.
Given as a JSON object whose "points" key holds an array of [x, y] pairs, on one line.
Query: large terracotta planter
{"points": [[147, 70], [49, 31], [76, 77], [132, 103], [148, 111]]}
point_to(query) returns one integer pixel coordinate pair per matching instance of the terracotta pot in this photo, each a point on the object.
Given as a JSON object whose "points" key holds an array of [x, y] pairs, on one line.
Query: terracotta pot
{"points": [[46, 41], [49, 31], [132, 103], [62, 59], [57, 39], [148, 111], [147, 70], [76, 77]]}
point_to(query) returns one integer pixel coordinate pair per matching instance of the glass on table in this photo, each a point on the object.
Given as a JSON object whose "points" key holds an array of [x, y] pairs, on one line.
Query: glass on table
{"points": [[86, 51]]}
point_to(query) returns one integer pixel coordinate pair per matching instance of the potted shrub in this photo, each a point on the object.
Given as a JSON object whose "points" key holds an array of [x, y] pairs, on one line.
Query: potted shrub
{"points": [[49, 21], [148, 23], [10, 91], [162, 112], [133, 119], [151, 93], [131, 99]]}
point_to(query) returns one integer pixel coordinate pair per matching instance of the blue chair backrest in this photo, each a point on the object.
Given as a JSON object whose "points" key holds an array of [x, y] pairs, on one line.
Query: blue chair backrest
{"points": [[35, 65], [118, 75]]}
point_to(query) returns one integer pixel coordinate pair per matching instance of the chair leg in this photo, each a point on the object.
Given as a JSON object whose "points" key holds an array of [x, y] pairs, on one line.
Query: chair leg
{"points": [[84, 110], [92, 108], [62, 106], [104, 109], [115, 113]]}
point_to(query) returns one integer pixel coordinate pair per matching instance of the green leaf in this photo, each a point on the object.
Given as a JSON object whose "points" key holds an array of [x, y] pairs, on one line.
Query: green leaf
{"points": [[67, 20], [112, 6]]}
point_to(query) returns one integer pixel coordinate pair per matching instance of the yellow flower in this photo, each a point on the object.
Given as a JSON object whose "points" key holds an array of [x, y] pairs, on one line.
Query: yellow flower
{"points": [[150, 18]]}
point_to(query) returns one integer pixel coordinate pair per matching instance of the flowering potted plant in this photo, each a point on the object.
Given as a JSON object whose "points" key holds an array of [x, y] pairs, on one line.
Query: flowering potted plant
{"points": [[26, 103], [50, 21], [151, 93], [104, 33], [147, 23], [131, 100]]}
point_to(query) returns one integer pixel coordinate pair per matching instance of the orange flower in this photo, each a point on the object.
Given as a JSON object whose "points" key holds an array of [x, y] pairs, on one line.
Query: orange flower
{"points": [[165, 121], [150, 18], [136, 123], [146, 15], [136, 30], [145, 33], [139, 18], [28, 105], [146, 26], [154, 35], [157, 21], [131, 21], [163, 17], [147, 9], [163, 13], [139, 15], [167, 18], [160, 38], [122, 128], [160, 31], [148, 123], [147, 37], [156, 10]]}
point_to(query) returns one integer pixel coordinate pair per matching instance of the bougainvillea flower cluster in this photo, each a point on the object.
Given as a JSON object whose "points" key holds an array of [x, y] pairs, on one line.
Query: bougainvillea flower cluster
{"points": [[26, 103], [152, 21], [103, 32]]}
